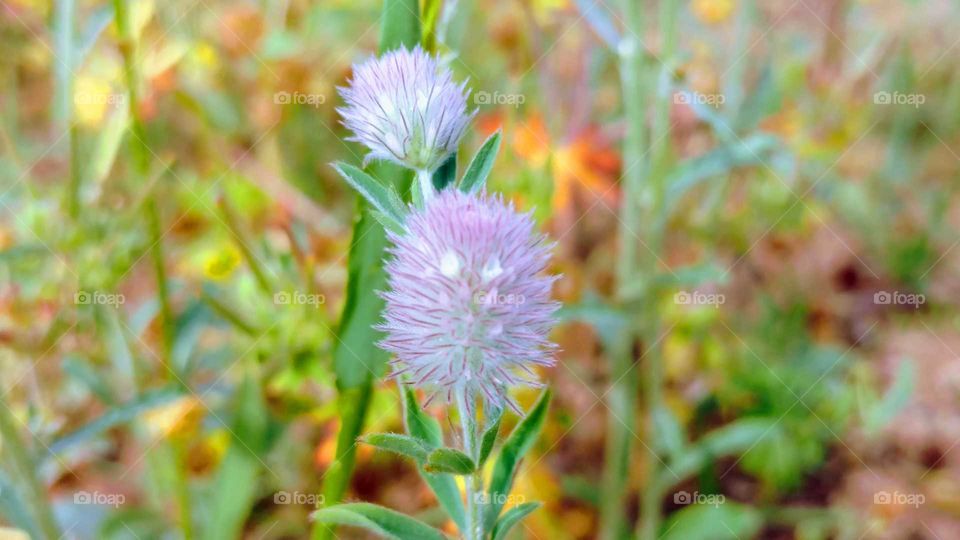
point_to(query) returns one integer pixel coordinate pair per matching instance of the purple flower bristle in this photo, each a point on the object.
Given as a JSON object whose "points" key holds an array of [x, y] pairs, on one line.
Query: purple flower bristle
{"points": [[468, 307], [406, 108]]}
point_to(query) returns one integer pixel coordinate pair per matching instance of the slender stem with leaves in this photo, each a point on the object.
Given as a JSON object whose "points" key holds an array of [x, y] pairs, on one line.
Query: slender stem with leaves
{"points": [[451, 316]]}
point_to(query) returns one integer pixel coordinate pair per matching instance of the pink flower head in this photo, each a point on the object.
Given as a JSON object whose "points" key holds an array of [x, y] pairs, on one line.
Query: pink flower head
{"points": [[406, 108], [469, 305]]}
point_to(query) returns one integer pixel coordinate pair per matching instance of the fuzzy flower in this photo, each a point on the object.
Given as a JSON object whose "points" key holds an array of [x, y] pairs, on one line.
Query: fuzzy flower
{"points": [[406, 108], [469, 305]]}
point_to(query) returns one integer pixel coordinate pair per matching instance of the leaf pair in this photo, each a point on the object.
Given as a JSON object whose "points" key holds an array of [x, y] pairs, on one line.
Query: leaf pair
{"points": [[423, 440], [435, 460], [423, 443], [388, 207]]}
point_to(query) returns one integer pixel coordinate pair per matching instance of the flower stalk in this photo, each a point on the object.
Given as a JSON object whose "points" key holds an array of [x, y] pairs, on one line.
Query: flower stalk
{"points": [[473, 484], [623, 396], [424, 190]]}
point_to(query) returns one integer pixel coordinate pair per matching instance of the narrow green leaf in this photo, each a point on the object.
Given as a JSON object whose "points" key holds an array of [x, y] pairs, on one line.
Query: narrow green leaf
{"points": [[427, 429], [450, 461], [383, 198], [723, 521], [489, 438], [597, 16], [14, 508], [119, 352], [398, 444], [431, 16], [516, 446], [96, 23], [236, 486], [107, 145], [233, 494], [352, 404], [446, 174], [670, 432], [894, 400], [732, 439], [511, 518], [79, 369], [476, 175], [380, 520], [64, 49], [401, 24], [755, 149], [611, 323], [113, 417], [419, 424], [386, 221]]}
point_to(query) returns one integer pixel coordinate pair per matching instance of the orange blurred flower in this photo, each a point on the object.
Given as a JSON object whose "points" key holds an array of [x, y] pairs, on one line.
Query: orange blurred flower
{"points": [[587, 162]]}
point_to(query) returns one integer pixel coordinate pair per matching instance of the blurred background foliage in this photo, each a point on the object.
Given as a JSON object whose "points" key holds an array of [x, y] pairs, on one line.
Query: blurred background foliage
{"points": [[173, 261]]}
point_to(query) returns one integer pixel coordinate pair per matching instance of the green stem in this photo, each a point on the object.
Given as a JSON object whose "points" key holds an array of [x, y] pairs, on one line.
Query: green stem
{"points": [[473, 482], [76, 181], [634, 148], [423, 189], [141, 167], [650, 505], [622, 402], [243, 242], [22, 460], [622, 396], [650, 510], [180, 451], [163, 289]]}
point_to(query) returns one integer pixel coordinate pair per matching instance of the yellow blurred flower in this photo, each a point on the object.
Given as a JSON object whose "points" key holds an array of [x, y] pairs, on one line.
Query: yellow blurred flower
{"points": [[206, 454], [679, 356], [219, 264], [180, 417], [205, 55], [713, 11], [543, 9], [92, 98]]}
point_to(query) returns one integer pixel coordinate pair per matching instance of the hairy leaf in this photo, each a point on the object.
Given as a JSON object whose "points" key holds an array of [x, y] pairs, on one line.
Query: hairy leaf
{"points": [[380, 520]]}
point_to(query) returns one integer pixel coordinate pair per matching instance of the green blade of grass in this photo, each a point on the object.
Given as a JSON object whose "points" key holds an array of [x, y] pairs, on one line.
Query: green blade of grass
{"points": [[357, 359]]}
